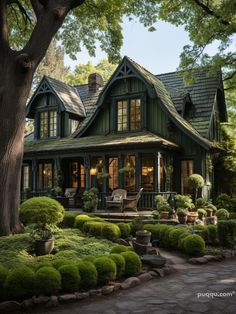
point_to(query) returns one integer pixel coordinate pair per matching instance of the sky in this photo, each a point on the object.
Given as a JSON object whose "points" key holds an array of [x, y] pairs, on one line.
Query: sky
{"points": [[157, 51]]}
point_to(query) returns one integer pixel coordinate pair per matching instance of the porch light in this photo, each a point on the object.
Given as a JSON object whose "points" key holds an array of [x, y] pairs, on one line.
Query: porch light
{"points": [[93, 171]]}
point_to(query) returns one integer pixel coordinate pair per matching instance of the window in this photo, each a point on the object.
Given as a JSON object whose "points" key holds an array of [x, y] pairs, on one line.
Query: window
{"points": [[82, 176], [186, 171], [45, 176], [128, 115], [129, 173], [73, 125], [148, 162], [26, 174], [114, 173], [74, 174], [48, 124]]}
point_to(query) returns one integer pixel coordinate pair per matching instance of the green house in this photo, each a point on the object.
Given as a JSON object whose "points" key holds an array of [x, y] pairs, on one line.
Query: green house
{"points": [[135, 130]]}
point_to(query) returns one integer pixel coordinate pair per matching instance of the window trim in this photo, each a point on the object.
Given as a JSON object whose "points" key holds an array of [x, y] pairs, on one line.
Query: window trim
{"points": [[48, 111]]}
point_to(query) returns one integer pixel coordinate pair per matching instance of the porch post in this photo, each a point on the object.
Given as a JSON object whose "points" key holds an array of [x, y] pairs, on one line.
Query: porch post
{"points": [[34, 175], [87, 172], [104, 186], [138, 174], [57, 168], [158, 172]]}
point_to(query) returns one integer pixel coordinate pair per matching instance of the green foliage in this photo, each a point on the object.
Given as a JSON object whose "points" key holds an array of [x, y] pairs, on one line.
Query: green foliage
{"points": [[106, 269], [223, 201], [200, 203], [201, 212], [111, 231], [222, 214], [3, 276], [132, 263], [43, 210], [161, 204], [70, 278], [119, 260], [90, 199], [119, 248], [174, 236], [59, 262], [227, 233], [69, 219], [96, 228], [47, 281], [80, 220], [212, 234], [90, 258], [181, 240], [182, 212], [88, 275], [212, 207], [136, 225], [204, 231], [195, 181], [20, 283], [125, 229], [183, 201], [164, 235], [194, 244]]}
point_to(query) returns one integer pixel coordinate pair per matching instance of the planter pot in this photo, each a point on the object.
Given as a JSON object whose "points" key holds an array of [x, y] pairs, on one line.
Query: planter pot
{"points": [[192, 216], [143, 237], [43, 247], [182, 219], [209, 214], [164, 215]]}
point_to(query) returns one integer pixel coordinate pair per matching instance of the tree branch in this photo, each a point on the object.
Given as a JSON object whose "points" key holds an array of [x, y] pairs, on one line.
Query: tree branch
{"points": [[3, 26], [229, 77], [211, 12]]}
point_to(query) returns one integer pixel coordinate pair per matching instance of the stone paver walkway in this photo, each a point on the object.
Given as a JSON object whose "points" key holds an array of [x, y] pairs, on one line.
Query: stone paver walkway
{"points": [[177, 293]]}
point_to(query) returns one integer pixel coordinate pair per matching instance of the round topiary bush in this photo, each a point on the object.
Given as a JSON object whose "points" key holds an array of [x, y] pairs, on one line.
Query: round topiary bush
{"points": [[59, 261], [174, 236], [43, 210], [48, 281], [119, 248], [120, 263], [125, 229], [194, 244], [132, 263], [111, 232], [69, 220], [80, 220], [95, 228], [3, 276], [90, 258], [106, 269], [87, 225], [222, 214], [181, 240], [70, 278], [164, 236], [20, 283], [212, 234], [195, 181], [88, 275], [202, 231]]}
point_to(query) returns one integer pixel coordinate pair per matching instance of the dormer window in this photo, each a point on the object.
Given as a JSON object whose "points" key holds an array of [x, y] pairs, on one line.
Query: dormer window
{"points": [[48, 124], [129, 115]]}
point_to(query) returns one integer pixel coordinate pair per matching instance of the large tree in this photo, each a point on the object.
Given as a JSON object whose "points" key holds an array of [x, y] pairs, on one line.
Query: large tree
{"points": [[26, 30]]}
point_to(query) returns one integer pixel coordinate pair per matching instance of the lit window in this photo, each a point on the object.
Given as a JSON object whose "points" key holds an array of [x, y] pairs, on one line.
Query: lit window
{"points": [[25, 177], [128, 115], [135, 114], [186, 171], [113, 172], [48, 124], [45, 175], [122, 116], [129, 173], [148, 162]]}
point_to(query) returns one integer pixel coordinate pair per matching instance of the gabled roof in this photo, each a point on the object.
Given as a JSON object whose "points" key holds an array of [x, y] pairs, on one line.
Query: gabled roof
{"points": [[67, 95]]}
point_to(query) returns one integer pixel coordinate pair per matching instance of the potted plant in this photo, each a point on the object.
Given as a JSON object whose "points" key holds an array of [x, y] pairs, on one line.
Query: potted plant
{"points": [[201, 213], [192, 216], [165, 211], [182, 215], [143, 236], [90, 199], [43, 237], [209, 211], [195, 182]]}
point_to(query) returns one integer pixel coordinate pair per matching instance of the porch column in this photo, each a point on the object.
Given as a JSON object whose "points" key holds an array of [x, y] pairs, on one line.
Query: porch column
{"points": [[57, 175], [105, 181], [158, 172], [87, 172], [34, 175], [138, 174]]}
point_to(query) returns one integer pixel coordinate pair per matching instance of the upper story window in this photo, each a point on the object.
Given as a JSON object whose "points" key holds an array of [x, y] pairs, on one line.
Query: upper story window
{"points": [[48, 124], [129, 115], [73, 124]]}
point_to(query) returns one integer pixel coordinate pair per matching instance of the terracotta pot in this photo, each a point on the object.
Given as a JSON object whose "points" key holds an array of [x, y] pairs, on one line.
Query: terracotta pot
{"points": [[43, 247], [192, 216], [164, 215]]}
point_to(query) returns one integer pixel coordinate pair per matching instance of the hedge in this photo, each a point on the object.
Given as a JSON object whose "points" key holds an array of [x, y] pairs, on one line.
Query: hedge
{"points": [[88, 275], [80, 220], [132, 263], [47, 281], [69, 220], [227, 233], [193, 244], [110, 232], [125, 229], [106, 269], [119, 248], [120, 263], [70, 278]]}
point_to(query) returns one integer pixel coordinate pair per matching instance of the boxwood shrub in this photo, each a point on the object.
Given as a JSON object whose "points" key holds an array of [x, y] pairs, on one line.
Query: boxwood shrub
{"points": [[132, 263], [120, 263], [110, 232], [204, 231], [69, 219], [119, 248], [48, 281], [88, 275], [70, 278], [106, 269], [20, 283], [181, 240], [58, 262], [222, 214], [174, 236], [194, 244], [125, 229], [3, 276], [80, 220], [95, 228], [42, 209], [164, 236], [227, 233], [212, 234]]}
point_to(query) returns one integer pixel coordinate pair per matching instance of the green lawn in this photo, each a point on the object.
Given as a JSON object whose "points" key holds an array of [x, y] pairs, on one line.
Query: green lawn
{"points": [[71, 244]]}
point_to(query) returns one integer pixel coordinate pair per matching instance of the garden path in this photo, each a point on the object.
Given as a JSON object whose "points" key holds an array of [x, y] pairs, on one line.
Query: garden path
{"points": [[173, 294]]}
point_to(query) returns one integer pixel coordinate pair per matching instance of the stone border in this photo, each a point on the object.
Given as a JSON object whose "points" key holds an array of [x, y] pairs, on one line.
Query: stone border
{"points": [[216, 258], [56, 300]]}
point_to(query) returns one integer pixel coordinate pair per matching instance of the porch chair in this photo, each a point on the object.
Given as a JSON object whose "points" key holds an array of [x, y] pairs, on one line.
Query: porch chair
{"points": [[115, 201], [131, 202]]}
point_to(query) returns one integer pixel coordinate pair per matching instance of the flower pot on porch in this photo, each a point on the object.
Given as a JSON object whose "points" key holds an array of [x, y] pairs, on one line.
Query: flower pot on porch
{"points": [[143, 237], [43, 247], [191, 217]]}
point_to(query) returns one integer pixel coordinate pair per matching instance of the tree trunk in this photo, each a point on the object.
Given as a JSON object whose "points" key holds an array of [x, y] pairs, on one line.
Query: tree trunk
{"points": [[15, 84]]}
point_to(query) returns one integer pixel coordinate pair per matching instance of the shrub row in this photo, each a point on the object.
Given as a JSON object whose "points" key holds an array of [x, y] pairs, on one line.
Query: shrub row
{"points": [[227, 233], [98, 227], [50, 278]]}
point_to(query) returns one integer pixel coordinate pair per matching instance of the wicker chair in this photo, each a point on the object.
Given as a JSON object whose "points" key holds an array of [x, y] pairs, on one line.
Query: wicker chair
{"points": [[131, 202], [115, 201]]}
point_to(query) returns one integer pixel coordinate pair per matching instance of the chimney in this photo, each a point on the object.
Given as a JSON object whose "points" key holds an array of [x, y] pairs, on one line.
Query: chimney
{"points": [[95, 81]]}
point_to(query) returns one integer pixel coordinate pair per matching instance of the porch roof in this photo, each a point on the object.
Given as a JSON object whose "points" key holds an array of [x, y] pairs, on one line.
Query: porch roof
{"points": [[110, 141]]}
